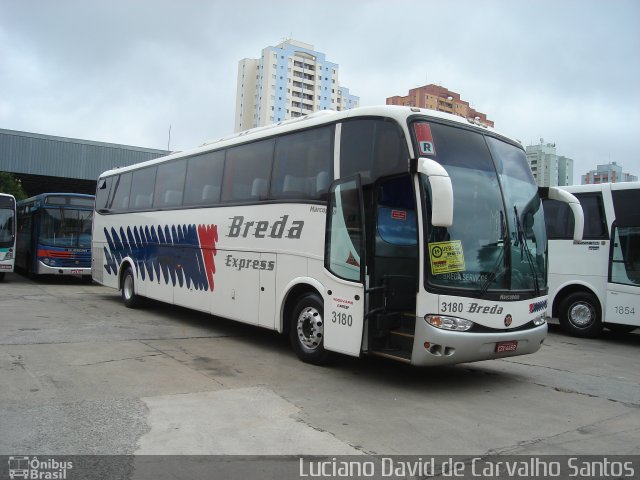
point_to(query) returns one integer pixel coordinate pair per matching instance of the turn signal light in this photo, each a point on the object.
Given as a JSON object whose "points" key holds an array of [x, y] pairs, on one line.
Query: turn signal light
{"points": [[448, 323]]}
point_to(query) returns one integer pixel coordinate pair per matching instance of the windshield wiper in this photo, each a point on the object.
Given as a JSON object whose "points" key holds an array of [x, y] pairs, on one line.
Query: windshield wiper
{"points": [[524, 248], [496, 269]]}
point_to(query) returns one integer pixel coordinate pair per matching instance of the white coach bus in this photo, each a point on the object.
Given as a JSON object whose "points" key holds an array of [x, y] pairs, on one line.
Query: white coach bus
{"points": [[391, 231], [7, 233], [595, 283]]}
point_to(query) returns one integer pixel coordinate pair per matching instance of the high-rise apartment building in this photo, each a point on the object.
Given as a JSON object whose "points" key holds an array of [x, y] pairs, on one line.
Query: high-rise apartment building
{"points": [[549, 169], [287, 81], [439, 98], [607, 173]]}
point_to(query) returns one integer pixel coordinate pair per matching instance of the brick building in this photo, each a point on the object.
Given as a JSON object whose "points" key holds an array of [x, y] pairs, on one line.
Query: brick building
{"points": [[435, 97]]}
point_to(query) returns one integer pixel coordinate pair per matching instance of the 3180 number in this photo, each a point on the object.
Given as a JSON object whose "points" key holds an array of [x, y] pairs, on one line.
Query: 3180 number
{"points": [[452, 307], [342, 318]]}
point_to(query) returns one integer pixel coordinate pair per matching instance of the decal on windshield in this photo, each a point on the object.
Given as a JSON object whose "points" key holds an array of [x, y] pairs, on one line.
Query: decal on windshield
{"points": [[446, 257], [424, 139]]}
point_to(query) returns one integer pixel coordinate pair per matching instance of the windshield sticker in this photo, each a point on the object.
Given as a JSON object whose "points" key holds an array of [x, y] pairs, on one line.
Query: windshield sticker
{"points": [[424, 139], [398, 214], [351, 260], [446, 257]]}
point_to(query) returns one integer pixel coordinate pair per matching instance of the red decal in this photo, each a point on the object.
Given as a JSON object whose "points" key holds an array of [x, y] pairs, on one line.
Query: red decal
{"points": [[208, 236], [352, 261], [398, 214], [424, 138], [54, 253]]}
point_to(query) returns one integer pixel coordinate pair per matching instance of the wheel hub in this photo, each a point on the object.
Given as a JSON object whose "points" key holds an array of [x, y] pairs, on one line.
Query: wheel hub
{"points": [[128, 287], [310, 328], [581, 315]]}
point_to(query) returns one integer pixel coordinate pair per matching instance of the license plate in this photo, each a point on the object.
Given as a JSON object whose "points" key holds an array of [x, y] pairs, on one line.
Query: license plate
{"points": [[509, 346]]}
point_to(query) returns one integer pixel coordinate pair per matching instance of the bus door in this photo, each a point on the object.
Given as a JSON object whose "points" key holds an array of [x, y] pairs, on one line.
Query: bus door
{"points": [[623, 288], [393, 268], [344, 300]]}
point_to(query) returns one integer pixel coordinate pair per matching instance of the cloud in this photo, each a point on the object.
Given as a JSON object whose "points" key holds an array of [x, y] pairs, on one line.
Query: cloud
{"points": [[123, 71]]}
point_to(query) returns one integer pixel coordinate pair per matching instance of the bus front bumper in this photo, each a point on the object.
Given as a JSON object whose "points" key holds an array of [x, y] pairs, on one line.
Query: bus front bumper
{"points": [[53, 270], [434, 346]]}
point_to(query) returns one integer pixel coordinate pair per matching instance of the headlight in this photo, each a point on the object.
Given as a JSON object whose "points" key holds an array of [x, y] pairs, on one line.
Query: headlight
{"points": [[9, 254], [46, 261], [449, 323], [539, 321]]}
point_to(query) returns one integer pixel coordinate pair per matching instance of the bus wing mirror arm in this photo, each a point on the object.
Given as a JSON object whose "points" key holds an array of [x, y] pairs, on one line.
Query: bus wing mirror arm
{"points": [[441, 192], [554, 193]]}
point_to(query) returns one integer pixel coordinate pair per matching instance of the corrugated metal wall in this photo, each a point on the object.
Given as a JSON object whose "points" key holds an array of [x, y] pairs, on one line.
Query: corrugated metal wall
{"points": [[36, 154]]}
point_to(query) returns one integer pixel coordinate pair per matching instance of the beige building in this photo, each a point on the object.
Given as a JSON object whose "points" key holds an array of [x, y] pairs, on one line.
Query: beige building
{"points": [[548, 168], [439, 98], [287, 81]]}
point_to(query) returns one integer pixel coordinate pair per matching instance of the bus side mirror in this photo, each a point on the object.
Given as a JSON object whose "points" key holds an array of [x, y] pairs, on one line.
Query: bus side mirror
{"points": [[555, 193], [441, 192]]}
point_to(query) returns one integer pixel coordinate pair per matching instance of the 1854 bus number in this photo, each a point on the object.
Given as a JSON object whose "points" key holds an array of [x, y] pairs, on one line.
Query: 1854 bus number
{"points": [[620, 310]]}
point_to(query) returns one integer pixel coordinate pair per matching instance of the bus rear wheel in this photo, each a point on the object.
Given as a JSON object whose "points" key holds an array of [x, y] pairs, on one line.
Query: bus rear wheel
{"points": [[580, 315], [129, 296], [306, 330]]}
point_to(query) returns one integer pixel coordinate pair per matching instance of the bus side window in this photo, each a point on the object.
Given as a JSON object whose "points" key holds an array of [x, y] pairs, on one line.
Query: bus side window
{"points": [[204, 177], [302, 164], [102, 192], [142, 187], [396, 221], [595, 225], [247, 171], [558, 219], [120, 201], [372, 148], [170, 184], [343, 253], [625, 267]]}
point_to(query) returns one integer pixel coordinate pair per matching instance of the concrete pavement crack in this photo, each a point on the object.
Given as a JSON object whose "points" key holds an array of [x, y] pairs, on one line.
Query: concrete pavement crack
{"points": [[181, 362], [527, 443], [125, 340], [116, 360]]}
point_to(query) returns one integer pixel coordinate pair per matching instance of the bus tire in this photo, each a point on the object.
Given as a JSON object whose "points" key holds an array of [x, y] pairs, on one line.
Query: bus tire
{"points": [[580, 315], [306, 331], [129, 296], [1, 276]]}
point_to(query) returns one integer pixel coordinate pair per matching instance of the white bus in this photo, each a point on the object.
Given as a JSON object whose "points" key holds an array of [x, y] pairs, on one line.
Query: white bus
{"points": [[393, 231], [595, 283], [7, 233]]}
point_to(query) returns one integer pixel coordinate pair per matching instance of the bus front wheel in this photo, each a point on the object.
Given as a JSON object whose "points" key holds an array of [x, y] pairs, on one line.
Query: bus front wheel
{"points": [[580, 315], [306, 331], [129, 297]]}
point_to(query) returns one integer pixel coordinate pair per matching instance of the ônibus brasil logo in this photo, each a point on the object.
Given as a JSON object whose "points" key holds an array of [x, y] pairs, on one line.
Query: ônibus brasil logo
{"points": [[33, 468]]}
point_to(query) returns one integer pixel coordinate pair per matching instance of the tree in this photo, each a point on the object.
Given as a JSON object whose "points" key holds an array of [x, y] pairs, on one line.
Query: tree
{"points": [[10, 184]]}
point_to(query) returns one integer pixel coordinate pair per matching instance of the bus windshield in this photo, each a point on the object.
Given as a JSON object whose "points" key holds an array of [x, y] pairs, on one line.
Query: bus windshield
{"points": [[64, 227], [6, 226], [497, 241]]}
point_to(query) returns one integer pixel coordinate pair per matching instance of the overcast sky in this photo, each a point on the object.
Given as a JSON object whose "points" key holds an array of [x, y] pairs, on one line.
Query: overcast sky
{"points": [[123, 71]]}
